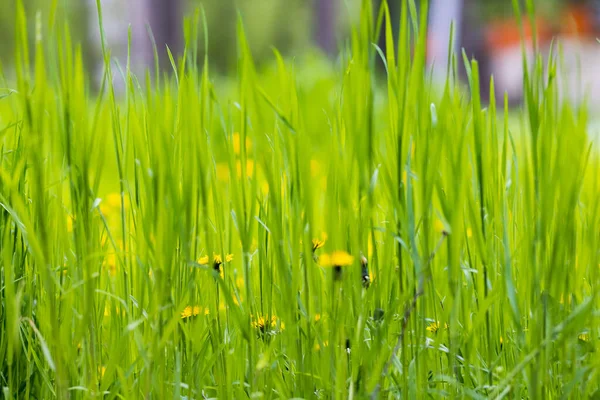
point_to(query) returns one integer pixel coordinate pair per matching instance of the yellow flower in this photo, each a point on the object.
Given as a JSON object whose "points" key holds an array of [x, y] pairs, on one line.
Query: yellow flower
{"points": [[222, 172], [203, 260], [338, 258], [262, 323], [218, 260], [264, 188], [190, 311], [317, 244], [237, 146], [249, 168], [318, 346], [584, 336], [114, 200], [433, 327], [439, 226], [317, 317], [111, 264], [70, 223]]}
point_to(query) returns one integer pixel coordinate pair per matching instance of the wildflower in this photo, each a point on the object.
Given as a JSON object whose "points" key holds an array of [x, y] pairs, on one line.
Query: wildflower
{"points": [[264, 188], [249, 168], [264, 324], [203, 260], [439, 226], [433, 327], [317, 244], [111, 264], [190, 311], [318, 345], [70, 223], [584, 337], [317, 317], [237, 145], [114, 200], [337, 260], [222, 172]]}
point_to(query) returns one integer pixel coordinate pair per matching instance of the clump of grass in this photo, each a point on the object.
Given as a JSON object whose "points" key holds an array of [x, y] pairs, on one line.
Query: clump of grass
{"points": [[171, 242]]}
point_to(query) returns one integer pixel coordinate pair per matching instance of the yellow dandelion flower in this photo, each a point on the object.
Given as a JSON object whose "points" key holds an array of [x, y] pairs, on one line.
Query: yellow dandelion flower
{"points": [[70, 223], [203, 260], [110, 264], [113, 200], [263, 324], [192, 311], [264, 188], [318, 345], [237, 145], [317, 317], [249, 168], [222, 172], [317, 244], [438, 226], [433, 327], [338, 258], [584, 336]]}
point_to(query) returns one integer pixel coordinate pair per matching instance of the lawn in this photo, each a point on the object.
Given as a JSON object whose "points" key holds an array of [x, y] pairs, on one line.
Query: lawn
{"points": [[310, 229]]}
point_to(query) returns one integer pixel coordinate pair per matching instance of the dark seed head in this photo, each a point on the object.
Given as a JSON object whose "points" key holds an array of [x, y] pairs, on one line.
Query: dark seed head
{"points": [[366, 279], [337, 272]]}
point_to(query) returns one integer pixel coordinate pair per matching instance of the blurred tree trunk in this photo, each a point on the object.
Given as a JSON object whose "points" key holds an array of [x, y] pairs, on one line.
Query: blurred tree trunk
{"points": [[165, 21], [442, 14], [325, 12]]}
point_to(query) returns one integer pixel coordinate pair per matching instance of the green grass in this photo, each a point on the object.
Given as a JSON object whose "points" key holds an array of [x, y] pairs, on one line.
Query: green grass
{"points": [[481, 234]]}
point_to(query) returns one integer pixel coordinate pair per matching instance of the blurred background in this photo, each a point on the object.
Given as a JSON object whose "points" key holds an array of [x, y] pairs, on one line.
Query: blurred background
{"points": [[319, 28]]}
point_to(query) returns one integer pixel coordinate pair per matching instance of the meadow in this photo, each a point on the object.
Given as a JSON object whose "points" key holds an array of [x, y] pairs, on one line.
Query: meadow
{"points": [[311, 228]]}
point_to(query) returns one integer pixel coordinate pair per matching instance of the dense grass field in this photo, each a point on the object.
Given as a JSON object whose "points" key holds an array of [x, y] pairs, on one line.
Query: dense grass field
{"points": [[314, 229]]}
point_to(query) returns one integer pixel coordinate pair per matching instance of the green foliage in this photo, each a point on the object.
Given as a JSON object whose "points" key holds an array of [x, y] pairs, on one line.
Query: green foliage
{"points": [[177, 241]]}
